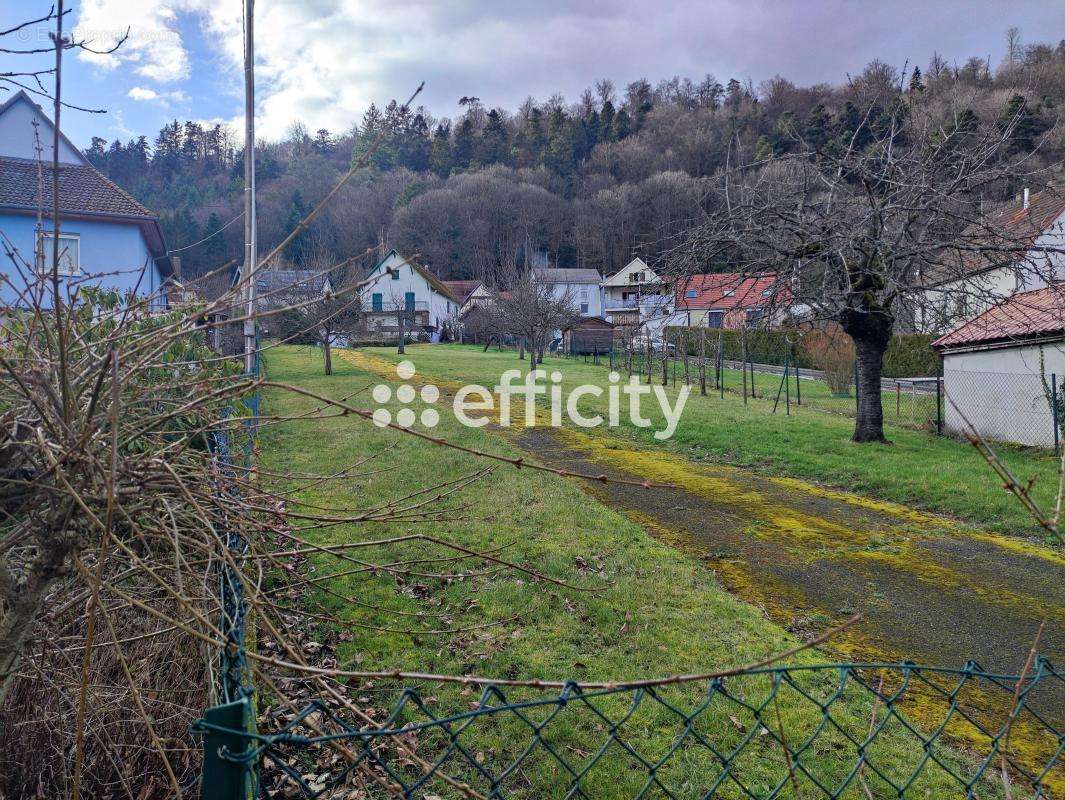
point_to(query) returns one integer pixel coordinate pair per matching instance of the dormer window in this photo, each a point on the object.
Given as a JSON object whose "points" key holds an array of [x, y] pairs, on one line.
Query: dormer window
{"points": [[691, 293], [729, 292], [767, 292]]}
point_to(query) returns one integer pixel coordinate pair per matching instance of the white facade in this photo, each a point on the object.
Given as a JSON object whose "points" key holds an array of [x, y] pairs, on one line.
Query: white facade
{"points": [[950, 304], [21, 137], [635, 294], [580, 286], [1004, 391], [409, 287]]}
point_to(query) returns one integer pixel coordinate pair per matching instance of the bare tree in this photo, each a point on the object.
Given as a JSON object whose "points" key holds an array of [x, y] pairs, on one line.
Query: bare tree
{"points": [[324, 323], [532, 312], [873, 222]]}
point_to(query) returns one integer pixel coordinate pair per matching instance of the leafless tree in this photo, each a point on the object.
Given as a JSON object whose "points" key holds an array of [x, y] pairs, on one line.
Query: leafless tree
{"points": [[861, 229], [531, 311]]}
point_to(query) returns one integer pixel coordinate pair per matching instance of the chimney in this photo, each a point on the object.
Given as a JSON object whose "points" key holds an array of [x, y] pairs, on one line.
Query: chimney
{"points": [[175, 262], [1025, 204]]}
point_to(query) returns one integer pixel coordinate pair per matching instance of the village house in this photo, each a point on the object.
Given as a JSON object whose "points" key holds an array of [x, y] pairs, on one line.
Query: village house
{"points": [[1004, 369], [106, 238], [407, 294], [634, 294], [277, 287], [580, 286], [469, 294], [728, 300], [972, 282]]}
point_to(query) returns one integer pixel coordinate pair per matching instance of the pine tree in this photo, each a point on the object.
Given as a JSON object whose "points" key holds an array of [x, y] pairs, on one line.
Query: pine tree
{"points": [[530, 140], [494, 147], [622, 125], [916, 85], [606, 122], [440, 152], [464, 147]]}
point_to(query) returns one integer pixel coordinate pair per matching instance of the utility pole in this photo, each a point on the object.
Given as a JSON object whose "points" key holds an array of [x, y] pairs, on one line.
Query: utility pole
{"points": [[250, 250]]}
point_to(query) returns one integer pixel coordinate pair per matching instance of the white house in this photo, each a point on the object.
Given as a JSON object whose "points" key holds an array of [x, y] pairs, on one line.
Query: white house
{"points": [[581, 286], [1003, 369], [635, 293], [993, 276], [469, 294], [405, 286]]}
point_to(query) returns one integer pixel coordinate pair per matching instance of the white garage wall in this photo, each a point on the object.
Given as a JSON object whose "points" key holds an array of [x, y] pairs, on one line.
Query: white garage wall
{"points": [[1002, 392]]}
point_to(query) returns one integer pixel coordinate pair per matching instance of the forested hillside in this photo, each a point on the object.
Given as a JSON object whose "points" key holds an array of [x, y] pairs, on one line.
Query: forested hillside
{"points": [[619, 172]]}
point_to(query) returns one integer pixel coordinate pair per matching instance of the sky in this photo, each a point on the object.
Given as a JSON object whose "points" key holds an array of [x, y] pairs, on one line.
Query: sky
{"points": [[322, 62]]}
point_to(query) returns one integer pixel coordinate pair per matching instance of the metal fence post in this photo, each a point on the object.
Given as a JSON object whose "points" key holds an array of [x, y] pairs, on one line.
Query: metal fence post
{"points": [[939, 400], [1055, 411]]}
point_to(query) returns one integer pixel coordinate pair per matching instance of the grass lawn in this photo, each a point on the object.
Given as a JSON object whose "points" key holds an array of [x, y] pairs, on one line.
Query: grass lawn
{"points": [[917, 469], [648, 609]]}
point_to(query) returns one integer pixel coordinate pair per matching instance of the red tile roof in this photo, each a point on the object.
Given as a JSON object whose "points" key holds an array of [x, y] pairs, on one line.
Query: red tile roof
{"points": [[727, 290], [1011, 229], [1025, 315], [462, 289], [82, 190]]}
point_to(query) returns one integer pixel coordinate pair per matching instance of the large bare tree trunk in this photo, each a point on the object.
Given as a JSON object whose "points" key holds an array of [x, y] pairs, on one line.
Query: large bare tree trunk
{"points": [[328, 347], [870, 328]]}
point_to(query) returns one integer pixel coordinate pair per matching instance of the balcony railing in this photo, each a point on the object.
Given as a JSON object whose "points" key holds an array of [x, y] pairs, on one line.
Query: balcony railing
{"points": [[391, 307]]}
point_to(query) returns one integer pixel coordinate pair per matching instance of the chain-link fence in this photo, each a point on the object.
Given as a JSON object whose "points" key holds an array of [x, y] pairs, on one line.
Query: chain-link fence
{"points": [[817, 731], [1004, 407]]}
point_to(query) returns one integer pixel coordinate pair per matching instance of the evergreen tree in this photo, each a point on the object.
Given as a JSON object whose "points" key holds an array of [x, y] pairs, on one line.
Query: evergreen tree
{"points": [[622, 125], [323, 142], [97, 154], [606, 122], [464, 147], [916, 85], [530, 140], [296, 249], [1027, 124], [440, 152], [494, 147]]}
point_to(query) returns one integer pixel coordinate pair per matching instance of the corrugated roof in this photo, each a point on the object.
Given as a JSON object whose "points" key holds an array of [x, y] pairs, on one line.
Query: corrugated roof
{"points": [[1022, 316], [727, 290], [82, 190], [562, 275]]}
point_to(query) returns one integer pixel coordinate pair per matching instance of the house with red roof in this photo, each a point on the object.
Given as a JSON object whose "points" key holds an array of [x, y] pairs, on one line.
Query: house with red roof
{"points": [[1004, 370], [967, 282], [106, 237], [730, 300]]}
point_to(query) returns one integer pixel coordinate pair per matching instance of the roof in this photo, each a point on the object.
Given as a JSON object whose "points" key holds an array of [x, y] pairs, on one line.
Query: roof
{"points": [[462, 289], [83, 192], [1026, 315], [727, 290], [433, 281], [298, 280], [1007, 231], [559, 275], [619, 278], [591, 322]]}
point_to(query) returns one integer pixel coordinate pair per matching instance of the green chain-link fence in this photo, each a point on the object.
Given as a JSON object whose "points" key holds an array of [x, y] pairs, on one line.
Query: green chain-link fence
{"points": [[820, 731]]}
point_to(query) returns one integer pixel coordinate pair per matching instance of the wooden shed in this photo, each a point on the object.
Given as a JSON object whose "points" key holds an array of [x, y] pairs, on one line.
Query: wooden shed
{"points": [[588, 335]]}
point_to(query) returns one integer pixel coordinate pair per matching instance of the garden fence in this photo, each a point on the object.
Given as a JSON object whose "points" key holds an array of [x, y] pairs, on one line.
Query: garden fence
{"points": [[808, 731]]}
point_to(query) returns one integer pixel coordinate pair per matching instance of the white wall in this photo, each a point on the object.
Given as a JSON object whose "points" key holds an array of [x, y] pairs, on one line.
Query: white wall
{"points": [[1002, 392], [393, 290], [592, 294]]}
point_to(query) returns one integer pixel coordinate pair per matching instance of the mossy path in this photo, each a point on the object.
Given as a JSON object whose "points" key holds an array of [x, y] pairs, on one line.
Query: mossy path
{"points": [[929, 590]]}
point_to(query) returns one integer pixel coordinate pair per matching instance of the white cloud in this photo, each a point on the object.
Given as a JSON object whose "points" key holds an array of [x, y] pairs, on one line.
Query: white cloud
{"points": [[144, 94], [324, 61]]}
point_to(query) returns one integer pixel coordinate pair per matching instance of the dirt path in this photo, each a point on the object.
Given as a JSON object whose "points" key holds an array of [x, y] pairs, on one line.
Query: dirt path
{"points": [[929, 591]]}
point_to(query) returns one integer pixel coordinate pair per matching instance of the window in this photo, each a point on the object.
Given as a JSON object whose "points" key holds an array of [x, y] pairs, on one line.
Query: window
{"points": [[584, 308], [691, 293], [408, 301], [69, 252], [729, 293], [584, 293], [714, 319], [767, 292], [377, 301], [395, 275], [754, 317]]}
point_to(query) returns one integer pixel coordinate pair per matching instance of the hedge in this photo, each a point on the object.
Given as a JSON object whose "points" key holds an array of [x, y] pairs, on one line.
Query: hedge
{"points": [[908, 355]]}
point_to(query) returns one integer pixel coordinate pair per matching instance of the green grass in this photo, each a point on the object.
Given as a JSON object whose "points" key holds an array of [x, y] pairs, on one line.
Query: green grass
{"points": [[917, 469], [652, 610]]}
